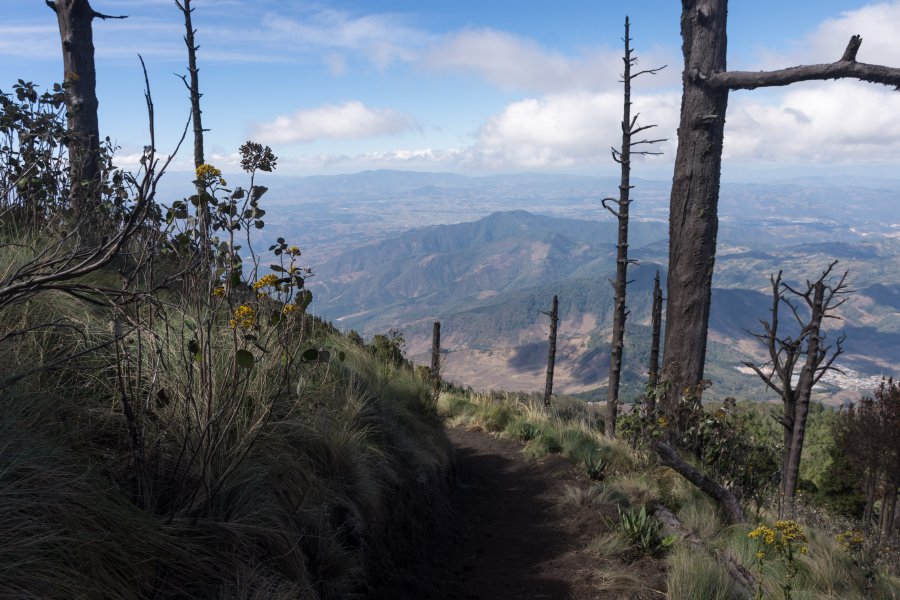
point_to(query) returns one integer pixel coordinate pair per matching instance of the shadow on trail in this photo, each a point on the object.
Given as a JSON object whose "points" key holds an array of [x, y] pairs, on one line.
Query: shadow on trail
{"points": [[502, 537], [508, 520]]}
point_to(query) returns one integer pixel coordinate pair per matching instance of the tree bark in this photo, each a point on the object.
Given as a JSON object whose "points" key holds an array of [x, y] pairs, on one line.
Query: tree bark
{"points": [[729, 503], [656, 326], [194, 85], [622, 204], [693, 222], [620, 285], [551, 354], [436, 359], [888, 508], [804, 392], [693, 212], [75, 18]]}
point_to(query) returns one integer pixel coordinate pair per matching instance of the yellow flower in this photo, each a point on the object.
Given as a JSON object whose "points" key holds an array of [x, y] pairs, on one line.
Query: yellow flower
{"points": [[289, 309], [218, 292], [293, 251], [760, 554], [663, 422], [766, 534], [266, 280], [790, 531], [209, 175], [244, 317]]}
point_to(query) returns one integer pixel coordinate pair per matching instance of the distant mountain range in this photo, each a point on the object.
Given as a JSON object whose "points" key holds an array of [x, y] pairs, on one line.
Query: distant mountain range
{"points": [[488, 281]]}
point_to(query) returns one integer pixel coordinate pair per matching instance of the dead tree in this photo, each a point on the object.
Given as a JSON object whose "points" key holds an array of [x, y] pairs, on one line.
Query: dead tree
{"points": [[551, 354], [630, 128], [75, 19], [805, 350], [656, 326], [693, 222], [194, 85], [436, 359]]}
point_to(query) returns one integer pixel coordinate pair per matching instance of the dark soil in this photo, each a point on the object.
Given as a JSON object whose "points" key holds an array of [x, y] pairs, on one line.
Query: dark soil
{"points": [[508, 536]]}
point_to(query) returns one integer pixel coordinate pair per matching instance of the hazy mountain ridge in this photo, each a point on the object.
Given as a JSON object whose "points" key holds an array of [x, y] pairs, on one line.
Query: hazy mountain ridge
{"points": [[489, 280]]}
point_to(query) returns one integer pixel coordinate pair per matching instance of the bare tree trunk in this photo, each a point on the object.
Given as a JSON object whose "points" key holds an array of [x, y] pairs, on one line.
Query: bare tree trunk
{"points": [[75, 18], [870, 488], [436, 359], [731, 506], [693, 218], [194, 85], [888, 508], [804, 392], [551, 355], [623, 157], [656, 326], [617, 345], [693, 212]]}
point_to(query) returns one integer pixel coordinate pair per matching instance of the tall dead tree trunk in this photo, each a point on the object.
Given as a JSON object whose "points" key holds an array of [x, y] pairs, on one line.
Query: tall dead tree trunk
{"points": [[693, 220], [194, 85], [656, 327], [436, 360], [623, 157], [551, 353], [75, 19], [785, 353]]}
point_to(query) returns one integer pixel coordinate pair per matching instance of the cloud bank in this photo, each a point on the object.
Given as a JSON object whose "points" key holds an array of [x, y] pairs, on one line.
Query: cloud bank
{"points": [[351, 120]]}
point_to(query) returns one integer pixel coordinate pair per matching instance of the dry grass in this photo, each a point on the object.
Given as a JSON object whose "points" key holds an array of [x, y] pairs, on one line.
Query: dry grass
{"points": [[286, 492]]}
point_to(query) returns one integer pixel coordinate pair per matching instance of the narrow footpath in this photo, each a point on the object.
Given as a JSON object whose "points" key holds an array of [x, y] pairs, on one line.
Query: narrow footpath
{"points": [[508, 535]]}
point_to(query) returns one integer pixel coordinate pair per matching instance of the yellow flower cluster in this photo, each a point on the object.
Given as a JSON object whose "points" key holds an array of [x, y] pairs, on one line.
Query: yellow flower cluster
{"points": [[244, 317], [293, 251], [790, 531], [209, 175], [289, 309], [784, 536], [663, 422], [266, 280], [765, 534], [218, 292]]}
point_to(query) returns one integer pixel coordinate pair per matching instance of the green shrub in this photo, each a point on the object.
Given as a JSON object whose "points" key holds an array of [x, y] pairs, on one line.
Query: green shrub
{"points": [[546, 442], [643, 530]]}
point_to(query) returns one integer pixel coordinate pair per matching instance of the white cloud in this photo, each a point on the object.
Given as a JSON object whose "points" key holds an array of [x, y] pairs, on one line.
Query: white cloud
{"points": [[351, 120], [569, 129], [820, 123], [381, 38], [877, 23], [515, 62]]}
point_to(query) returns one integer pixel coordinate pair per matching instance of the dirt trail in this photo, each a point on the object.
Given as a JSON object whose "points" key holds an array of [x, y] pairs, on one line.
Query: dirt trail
{"points": [[508, 536]]}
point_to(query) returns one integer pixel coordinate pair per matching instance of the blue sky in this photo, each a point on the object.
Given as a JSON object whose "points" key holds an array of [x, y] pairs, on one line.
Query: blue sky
{"points": [[473, 87]]}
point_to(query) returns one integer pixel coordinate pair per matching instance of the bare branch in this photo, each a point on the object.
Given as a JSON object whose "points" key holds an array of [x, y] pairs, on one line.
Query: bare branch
{"points": [[648, 142], [650, 71], [96, 15], [609, 208], [767, 379], [845, 68]]}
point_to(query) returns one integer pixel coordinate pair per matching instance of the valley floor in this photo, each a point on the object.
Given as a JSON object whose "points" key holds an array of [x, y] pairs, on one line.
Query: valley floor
{"points": [[509, 536]]}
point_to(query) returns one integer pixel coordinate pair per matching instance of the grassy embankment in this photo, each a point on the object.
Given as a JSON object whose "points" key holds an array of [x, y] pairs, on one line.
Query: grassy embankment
{"points": [[698, 563], [218, 481]]}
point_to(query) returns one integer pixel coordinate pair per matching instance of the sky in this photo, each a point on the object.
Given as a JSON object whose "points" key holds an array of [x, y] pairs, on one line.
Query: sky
{"points": [[493, 86]]}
